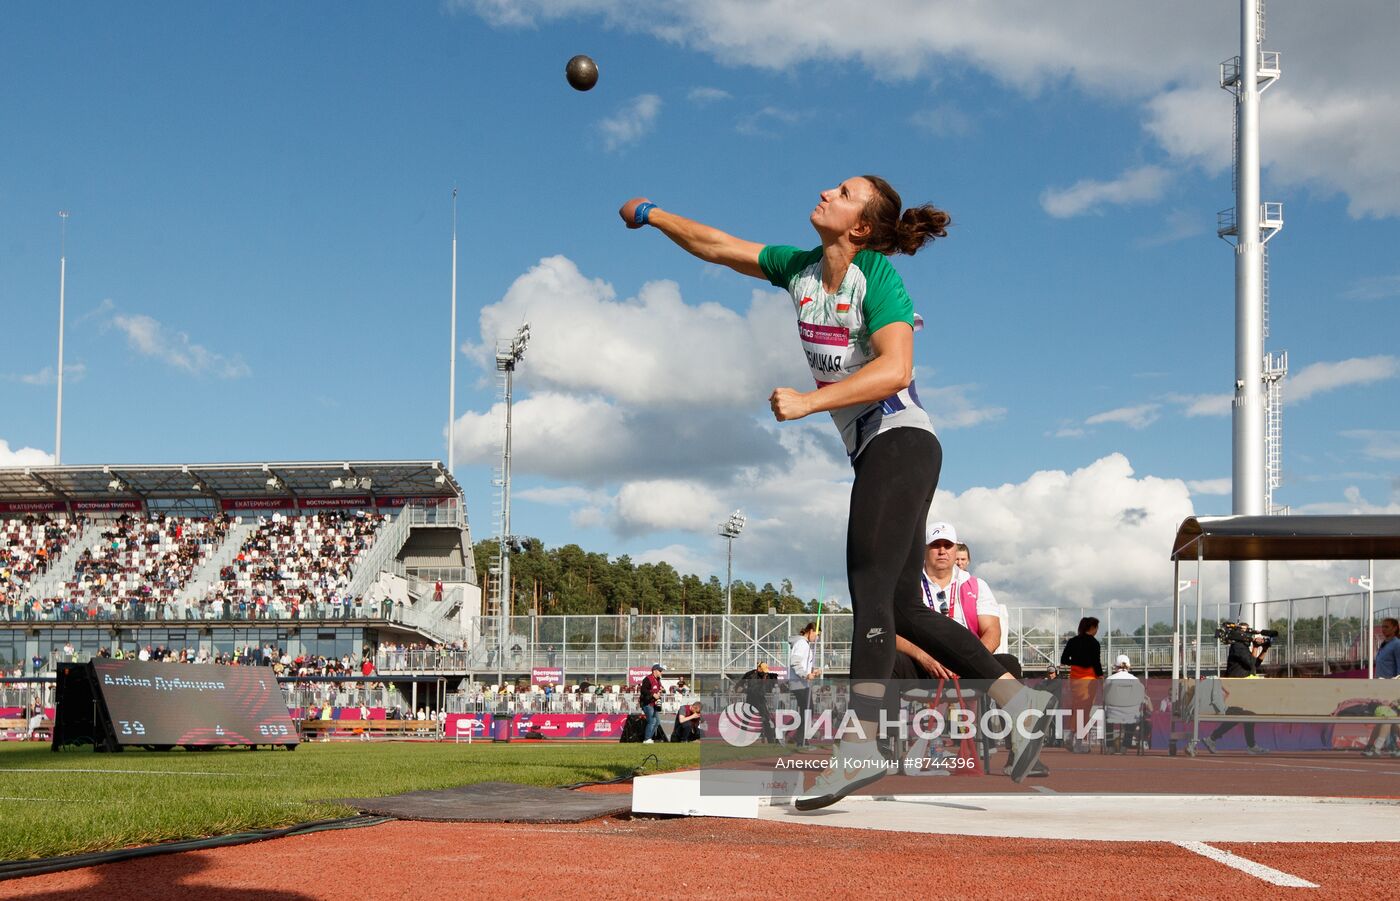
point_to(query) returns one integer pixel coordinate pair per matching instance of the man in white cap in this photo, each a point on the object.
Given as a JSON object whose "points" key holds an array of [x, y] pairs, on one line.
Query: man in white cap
{"points": [[1123, 698], [950, 591], [954, 592]]}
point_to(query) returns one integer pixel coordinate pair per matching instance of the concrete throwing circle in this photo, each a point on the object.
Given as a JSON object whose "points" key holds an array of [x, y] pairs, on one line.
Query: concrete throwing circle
{"points": [[1134, 818]]}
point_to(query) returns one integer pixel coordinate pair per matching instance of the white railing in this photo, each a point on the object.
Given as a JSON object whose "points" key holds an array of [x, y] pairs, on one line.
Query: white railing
{"points": [[448, 513]]}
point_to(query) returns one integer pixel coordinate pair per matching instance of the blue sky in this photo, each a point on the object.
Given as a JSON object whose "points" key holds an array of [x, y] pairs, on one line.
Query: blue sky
{"points": [[259, 259]]}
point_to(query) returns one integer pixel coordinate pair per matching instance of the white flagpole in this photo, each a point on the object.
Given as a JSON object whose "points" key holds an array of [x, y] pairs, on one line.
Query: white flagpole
{"points": [[62, 276], [452, 359]]}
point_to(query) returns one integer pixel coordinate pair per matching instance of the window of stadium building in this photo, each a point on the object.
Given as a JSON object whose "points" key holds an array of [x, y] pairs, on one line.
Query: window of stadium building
{"points": [[15, 651], [18, 648], [335, 643], [84, 642], [215, 642]]}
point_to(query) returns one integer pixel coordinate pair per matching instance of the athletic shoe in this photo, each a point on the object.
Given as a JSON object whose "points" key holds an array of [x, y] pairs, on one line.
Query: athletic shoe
{"points": [[1209, 743], [649, 741], [1025, 750], [1395, 752], [837, 781], [1371, 752], [1256, 749], [1039, 771]]}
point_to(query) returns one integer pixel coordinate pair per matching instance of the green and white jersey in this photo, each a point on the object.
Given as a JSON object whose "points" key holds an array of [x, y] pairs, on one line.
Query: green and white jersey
{"points": [[835, 330]]}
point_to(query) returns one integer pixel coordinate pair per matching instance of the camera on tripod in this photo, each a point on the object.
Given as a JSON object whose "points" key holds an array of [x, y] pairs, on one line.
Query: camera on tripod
{"points": [[1230, 632]]}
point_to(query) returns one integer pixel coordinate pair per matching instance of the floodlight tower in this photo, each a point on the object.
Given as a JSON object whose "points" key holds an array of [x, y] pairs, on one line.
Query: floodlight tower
{"points": [[1257, 404], [729, 530], [509, 352]]}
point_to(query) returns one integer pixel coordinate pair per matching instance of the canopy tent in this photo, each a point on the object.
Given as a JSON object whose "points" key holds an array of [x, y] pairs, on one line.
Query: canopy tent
{"points": [[1288, 538], [1202, 538]]}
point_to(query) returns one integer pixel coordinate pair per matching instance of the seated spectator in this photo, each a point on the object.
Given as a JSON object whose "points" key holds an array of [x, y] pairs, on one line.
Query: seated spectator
{"points": [[1124, 700]]}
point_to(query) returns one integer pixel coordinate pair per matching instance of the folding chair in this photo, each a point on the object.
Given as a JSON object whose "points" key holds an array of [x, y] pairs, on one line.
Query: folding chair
{"points": [[1124, 703]]}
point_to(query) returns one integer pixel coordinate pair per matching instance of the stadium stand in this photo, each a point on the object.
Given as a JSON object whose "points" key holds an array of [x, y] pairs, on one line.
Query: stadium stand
{"points": [[29, 546], [136, 567], [291, 563]]}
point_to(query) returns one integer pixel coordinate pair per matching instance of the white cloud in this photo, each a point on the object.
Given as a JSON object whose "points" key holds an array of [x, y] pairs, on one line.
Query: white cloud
{"points": [[768, 122], [682, 557], [72, 372], [645, 416], [631, 123], [1211, 486], [943, 120], [1378, 444], [150, 338], [1068, 432], [667, 505], [1140, 185], [1087, 537], [901, 38], [652, 351], [704, 96], [1322, 377], [1204, 404], [1312, 380], [1317, 131], [950, 407], [25, 456], [1136, 417], [1179, 225], [562, 496], [1353, 503], [593, 440], [1320, 130], [1374, 288], [1073, 538]]}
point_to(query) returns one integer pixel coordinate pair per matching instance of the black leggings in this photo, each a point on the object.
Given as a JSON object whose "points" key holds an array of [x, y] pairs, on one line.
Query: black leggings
{"points": [[895, 479], [896, 476], [1223, 728]]}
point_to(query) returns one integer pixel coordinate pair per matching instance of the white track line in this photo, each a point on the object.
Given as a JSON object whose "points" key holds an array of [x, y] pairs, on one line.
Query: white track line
{"points": [[1244, 865]]}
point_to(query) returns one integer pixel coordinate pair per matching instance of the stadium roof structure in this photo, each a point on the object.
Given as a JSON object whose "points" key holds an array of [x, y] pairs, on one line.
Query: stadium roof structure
{"points": [[1370, 537], [314, 484]]}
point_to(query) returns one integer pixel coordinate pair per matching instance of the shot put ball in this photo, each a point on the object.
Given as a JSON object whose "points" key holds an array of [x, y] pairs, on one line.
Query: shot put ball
{"points": [[582, 73]]}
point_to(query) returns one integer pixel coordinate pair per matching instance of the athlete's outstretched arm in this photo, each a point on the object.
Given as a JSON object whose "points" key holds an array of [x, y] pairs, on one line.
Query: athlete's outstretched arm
{"points": [[709, 244], [889, 372]]}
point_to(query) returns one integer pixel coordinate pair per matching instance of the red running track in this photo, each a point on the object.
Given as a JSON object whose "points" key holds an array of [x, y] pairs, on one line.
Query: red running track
{"points": [[704, 859]]}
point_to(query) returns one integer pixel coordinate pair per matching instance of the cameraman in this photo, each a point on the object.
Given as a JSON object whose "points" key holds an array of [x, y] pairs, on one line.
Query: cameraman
{"points": [[1245, 659]]}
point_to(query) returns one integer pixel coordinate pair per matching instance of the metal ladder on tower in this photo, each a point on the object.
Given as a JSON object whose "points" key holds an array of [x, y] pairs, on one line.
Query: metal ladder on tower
{"points": [[1275, 368], [492, 628]]}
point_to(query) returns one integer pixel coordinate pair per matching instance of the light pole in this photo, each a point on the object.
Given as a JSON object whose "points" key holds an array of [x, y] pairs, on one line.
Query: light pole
{"points": [[729, 530], [508, 354], [1367, 584], [62, 274]]}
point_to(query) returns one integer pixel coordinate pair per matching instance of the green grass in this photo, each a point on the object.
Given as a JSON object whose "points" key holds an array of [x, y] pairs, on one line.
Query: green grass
{"points": [[61, 811]]}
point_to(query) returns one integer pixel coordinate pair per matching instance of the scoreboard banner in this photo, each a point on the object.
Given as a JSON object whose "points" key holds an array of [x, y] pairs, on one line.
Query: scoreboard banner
{"points": [[166, 704]]}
